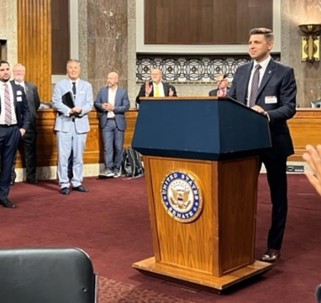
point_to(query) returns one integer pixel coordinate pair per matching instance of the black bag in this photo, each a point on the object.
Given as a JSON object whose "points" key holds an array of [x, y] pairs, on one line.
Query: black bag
{"points": [[132, 163]]}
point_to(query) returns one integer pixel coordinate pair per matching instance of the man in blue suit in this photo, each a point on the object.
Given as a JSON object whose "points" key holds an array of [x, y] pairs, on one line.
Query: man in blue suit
{"points": [[112, 102], [269, 88], [73, 99], [14, 121]]}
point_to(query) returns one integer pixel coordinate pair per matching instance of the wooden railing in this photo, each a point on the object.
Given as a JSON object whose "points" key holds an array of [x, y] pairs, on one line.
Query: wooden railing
{"points": [[47, 144], [305, 129]]}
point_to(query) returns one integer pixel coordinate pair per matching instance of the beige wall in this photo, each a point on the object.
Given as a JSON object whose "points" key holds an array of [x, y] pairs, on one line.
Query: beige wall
{"points": [[295, 12]]}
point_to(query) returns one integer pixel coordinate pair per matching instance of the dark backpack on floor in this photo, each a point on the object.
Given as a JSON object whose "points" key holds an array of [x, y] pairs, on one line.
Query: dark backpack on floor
{"points": [[132, 163]]}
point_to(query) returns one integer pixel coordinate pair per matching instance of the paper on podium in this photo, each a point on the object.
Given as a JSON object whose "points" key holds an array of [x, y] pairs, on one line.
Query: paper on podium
{"points": [[68, 99]]}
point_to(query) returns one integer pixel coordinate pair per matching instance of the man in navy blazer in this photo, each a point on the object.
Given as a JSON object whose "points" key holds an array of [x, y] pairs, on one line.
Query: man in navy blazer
{"points": [[73, 99], [276, 99], [11, 130], [156, 87], [112, 102]]}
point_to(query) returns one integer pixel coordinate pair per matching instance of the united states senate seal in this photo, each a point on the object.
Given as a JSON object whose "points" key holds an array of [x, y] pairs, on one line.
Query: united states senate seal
{"points": [[181, 196]]}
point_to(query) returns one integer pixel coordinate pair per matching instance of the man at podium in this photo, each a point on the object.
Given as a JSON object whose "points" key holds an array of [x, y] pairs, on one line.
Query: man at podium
{"points": [[269, 88]]}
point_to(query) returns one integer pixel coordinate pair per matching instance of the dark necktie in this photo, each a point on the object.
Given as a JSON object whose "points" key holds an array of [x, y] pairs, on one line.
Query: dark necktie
{"points": [[7, 105], [255, 85], [74, 89]]}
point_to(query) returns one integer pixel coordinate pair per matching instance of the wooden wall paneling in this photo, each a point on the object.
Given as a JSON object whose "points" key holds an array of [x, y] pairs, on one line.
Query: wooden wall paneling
{"points": [[204, 21], [60, 36], [3, 49], [305, 129], [34, 43]]}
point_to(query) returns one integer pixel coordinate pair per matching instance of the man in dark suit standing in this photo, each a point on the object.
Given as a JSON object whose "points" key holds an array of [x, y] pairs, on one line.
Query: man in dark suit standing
{"points": [[269, 88], [30, 138], [14, 121], [156, 87]]}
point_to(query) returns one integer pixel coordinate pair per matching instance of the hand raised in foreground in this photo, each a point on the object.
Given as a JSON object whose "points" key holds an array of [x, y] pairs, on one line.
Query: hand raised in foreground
{"points": [[313, 157]]}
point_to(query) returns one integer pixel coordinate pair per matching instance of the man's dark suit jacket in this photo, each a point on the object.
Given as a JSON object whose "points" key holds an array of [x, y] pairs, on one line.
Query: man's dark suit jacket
{"points": [[21, 106], [33, 98], [166, 91], [277, 96]]}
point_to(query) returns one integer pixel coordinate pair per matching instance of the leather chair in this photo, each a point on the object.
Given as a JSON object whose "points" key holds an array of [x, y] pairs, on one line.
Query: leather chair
{"points": [[46, 275]]}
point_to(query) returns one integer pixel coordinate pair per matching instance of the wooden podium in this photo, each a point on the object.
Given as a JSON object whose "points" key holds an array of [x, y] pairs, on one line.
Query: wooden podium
{"points": [[201, 175]]}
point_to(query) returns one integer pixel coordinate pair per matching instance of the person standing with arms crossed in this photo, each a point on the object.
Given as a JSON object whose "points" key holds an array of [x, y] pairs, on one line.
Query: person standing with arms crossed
{"points": [[112, 102], [72, 126], [14, 121], [269, 88], [30, 138]]}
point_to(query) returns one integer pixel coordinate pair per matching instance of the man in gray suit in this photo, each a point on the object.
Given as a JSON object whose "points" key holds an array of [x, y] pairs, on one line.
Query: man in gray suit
{"points": [[30, 138], [112, 102], [73, 99]]}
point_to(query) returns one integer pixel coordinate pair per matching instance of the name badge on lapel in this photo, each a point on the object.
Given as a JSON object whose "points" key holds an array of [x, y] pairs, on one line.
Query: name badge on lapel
{"points": [[271, 100], [19, 96]]}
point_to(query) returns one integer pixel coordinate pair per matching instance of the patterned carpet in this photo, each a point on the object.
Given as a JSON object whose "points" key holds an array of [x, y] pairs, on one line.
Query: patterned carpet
{"points": [[111, 291], [111, 223]]}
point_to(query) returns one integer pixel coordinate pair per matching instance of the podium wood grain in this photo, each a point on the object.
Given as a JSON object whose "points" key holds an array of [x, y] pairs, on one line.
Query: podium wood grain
{"points": [[221, 240]]}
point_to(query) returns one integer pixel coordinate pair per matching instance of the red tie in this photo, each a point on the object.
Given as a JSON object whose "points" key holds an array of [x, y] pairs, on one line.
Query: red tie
{"points": [[7, 105]]}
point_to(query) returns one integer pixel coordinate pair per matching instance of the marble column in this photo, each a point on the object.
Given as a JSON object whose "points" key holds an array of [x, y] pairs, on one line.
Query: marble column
{"points": [[107, 40]]}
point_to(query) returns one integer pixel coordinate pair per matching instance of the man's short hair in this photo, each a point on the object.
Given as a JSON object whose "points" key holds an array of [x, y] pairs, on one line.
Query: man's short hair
{"points": [[4, 62], [268, 33]]}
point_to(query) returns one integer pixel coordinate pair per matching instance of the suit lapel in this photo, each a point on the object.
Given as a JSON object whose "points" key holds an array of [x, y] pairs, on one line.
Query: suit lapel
{"points": [[267, 76], [166, 89], [244, 88]]}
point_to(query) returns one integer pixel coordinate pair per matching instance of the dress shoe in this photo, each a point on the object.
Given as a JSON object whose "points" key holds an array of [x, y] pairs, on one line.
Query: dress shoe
{"points": [[271, 255], [80, 188], [65, 191], [7, 203]]}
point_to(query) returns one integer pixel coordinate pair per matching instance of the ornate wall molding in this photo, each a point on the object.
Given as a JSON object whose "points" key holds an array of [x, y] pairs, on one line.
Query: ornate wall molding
{"points": [[198, 68]]}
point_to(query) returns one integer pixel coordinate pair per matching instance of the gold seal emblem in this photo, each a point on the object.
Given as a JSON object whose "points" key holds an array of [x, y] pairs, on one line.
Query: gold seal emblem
{"points": [[181, 196]]}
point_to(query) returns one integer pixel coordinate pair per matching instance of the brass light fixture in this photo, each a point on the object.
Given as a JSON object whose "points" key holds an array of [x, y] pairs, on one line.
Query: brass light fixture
{"points": [[310, 43]]}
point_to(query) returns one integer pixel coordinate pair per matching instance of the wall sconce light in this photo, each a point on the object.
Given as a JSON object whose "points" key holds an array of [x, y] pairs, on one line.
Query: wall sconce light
{"points": [[310, 43]]}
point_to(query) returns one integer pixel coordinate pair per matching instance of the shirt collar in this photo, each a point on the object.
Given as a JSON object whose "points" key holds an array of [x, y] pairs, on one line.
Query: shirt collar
{"points": [[263, 63]]}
